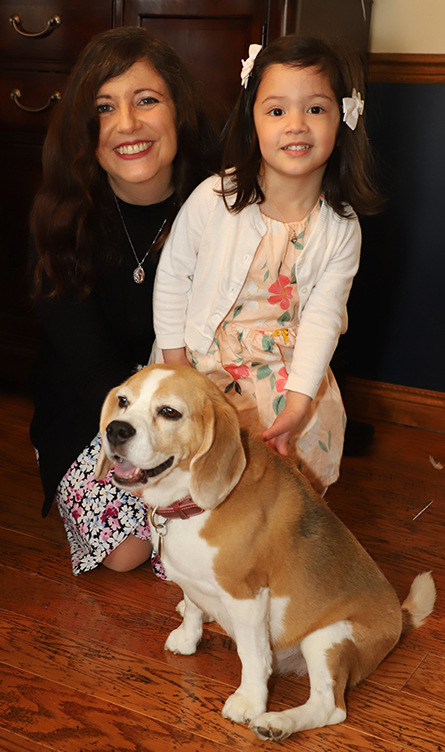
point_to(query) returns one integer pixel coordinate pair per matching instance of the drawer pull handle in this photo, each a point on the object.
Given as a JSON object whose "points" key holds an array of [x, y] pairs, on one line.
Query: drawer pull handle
{"points": [[52, 24], [16, 94]]}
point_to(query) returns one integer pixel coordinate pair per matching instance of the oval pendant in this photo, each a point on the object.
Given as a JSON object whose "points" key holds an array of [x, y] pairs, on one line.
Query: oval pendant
{"points": [[139, 275]]}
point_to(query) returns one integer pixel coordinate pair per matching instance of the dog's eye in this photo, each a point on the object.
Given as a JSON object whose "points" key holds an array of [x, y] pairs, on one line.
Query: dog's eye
{"points": [[122, 401], [169, 412]]}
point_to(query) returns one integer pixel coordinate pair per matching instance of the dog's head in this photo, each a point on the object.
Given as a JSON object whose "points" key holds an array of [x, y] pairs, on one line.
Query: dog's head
{"points": [[170, 427]]}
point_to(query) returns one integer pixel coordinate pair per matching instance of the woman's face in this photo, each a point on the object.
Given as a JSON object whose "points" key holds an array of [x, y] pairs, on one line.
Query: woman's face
{"points": [[137, 138]]}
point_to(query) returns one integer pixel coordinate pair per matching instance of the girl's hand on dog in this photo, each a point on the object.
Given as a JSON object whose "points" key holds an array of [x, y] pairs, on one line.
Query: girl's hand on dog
{"points": [[287, 422], [175, 357]]}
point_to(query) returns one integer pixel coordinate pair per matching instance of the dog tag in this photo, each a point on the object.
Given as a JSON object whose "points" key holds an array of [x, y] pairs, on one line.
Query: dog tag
{"points": [[160, 527], [161, 531]]}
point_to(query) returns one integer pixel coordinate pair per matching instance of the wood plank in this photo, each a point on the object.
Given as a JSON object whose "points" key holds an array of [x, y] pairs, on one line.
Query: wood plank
{"points": [[428, 681], [397, 669], [12, 742]]}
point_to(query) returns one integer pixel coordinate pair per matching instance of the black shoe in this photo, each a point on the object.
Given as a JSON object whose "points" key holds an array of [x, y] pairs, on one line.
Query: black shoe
{"points": [[358, 437]]}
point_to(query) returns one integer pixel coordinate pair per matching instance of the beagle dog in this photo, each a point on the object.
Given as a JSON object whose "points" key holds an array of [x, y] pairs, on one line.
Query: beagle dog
{"points": [[253, 546]]}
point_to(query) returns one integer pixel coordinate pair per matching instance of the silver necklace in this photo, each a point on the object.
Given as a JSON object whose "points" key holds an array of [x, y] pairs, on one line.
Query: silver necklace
{"points": [[138, 273]]}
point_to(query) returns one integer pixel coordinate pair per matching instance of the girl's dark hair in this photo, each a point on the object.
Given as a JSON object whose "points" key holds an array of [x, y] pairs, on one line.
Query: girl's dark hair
{"points": [[75, 203], [348, 176]]}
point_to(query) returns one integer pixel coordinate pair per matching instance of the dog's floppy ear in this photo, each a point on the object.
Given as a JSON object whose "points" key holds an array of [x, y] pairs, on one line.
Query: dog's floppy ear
{"points": [[219, 463], [103, 465]]}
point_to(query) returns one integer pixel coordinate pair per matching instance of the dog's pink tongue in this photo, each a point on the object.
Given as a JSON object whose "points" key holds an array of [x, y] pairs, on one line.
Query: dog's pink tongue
{"points": [[123, 468]]}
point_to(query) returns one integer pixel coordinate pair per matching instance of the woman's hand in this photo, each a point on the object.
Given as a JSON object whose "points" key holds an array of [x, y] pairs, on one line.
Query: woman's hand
{"points": [[176, 357], [287, 422]]}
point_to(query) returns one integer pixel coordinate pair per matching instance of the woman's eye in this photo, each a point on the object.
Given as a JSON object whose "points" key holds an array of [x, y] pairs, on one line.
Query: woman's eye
{"points": [[122, 402], [148, 100], [169, 412], [102, 108], [315, 110]]}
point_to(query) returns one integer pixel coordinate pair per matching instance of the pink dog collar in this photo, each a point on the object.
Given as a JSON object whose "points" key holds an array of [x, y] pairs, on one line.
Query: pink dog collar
{"points": [[182, 509]]}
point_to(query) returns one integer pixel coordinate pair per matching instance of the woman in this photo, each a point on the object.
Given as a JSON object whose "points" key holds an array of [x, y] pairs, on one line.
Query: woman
{"points": [[127, 145]]}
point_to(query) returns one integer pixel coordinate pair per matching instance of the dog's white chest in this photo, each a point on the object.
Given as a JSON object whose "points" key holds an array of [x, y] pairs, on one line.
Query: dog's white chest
{"points": [[184, 554]]}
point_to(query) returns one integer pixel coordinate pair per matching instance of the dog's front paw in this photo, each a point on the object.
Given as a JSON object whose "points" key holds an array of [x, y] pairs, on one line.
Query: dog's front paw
{"points": [[180, 642], [241, 709]]}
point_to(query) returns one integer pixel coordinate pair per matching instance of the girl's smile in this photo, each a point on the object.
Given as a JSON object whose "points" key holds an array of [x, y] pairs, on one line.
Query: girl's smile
{"points": [[296, 118], [137, 139]]}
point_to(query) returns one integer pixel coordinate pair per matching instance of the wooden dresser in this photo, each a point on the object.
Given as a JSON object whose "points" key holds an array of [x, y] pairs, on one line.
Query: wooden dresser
{"points": [[39, 42]]}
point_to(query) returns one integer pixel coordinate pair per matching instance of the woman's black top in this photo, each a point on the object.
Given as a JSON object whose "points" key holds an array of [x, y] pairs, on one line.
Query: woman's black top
{"points": [[91, 346]]}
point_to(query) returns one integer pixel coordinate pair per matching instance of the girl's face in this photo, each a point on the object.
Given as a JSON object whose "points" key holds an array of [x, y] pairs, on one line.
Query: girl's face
{"points": [[296, 118], [137, 138]]}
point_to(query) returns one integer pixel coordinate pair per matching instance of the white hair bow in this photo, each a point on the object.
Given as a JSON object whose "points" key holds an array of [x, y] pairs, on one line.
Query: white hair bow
{"points": [[248, 64], [352, 108]]}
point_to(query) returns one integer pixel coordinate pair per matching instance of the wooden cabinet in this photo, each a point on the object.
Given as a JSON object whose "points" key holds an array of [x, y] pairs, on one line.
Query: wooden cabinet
{"points": [[39, 42]]}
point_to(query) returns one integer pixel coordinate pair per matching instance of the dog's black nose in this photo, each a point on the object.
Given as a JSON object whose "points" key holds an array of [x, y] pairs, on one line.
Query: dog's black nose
{"points": [[118, 432]]}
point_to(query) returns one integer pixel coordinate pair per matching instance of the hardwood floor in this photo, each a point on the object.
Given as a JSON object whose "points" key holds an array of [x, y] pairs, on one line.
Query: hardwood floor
{"points": [[82, 664]]}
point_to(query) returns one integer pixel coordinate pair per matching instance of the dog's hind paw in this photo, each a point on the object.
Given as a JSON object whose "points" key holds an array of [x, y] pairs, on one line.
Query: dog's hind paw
{"points": [[278, 726], [272, 727], [240, 708]]}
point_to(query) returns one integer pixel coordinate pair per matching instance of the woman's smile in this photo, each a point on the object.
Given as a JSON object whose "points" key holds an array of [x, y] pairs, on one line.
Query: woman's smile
{"points": [[133, 149]]}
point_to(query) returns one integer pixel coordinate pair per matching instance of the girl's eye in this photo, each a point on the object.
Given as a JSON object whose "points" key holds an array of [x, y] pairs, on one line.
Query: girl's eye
{"points": [[315, 110], [102, 108], [276, 112], [122, 402]]}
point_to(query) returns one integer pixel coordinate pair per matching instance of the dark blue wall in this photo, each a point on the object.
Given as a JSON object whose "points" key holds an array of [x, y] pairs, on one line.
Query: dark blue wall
{"points": [[397, 304]]}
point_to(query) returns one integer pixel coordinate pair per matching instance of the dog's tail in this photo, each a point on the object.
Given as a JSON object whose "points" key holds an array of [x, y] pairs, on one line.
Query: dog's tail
{"points": [[419, 603]]}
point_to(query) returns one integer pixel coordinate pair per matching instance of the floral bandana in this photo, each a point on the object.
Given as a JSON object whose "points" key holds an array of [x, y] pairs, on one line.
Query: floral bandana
{"points": [[248, 64], [352, 108]]}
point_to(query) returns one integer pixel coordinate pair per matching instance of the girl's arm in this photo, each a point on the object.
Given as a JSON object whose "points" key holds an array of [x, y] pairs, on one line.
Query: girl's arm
{"points": [[174, 276], [287, 422], [323, 317], [175, 357]]}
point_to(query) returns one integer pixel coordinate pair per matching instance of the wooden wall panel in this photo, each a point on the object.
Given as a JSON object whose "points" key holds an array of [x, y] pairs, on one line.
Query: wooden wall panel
{"points": [[407, 69]]}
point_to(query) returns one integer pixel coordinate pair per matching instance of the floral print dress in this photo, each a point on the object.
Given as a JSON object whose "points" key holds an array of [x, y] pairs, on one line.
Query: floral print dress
{"points": [[97, 515], [252, 351]]}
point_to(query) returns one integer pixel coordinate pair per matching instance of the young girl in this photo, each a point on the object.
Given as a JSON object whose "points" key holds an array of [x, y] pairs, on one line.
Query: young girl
{"points": [[254, 278]]}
